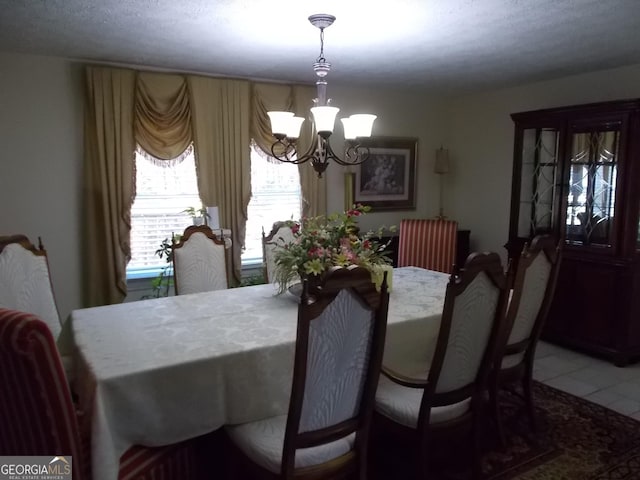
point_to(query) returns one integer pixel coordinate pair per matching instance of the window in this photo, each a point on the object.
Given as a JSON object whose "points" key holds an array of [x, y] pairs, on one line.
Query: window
{"points": [[162, 194], [276, 196]]}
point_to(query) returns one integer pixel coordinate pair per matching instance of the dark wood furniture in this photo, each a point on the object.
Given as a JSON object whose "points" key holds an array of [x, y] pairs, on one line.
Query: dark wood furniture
{"points": [[533, 289], [465, 350], [576, 175], [338, 357], [462, 247]]}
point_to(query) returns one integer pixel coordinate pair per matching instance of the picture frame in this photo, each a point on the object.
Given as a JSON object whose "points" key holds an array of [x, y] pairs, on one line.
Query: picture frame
{"points": [[387, 179]]}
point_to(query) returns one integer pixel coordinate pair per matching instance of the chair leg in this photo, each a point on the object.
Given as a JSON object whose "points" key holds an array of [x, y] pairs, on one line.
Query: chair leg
{"points": [[363, 463], [527, 390], [476, 438], [422, 460], [495, 408]]}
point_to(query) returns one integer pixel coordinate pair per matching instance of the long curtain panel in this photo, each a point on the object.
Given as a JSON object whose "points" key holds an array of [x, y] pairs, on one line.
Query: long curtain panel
{"points": [[220, 121], [299, 99], [109, 183]]}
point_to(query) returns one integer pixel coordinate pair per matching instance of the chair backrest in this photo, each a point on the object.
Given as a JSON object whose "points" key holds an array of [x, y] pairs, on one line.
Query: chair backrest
{"points": [[199, 261], [428, 243], [36, 410], [533, 288], [25, 283], [471, 324], [339, 346], [281, 234]]}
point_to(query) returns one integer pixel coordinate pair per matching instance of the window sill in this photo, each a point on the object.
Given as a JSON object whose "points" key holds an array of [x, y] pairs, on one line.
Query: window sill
{"points": [[142, 273], [149, 273]]}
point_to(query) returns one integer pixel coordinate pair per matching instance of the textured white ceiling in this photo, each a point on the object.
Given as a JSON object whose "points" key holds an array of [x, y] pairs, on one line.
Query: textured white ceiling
{"points": [[444, 45]]}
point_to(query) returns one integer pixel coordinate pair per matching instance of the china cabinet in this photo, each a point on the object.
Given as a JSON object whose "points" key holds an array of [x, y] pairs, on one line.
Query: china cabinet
{"points": [[576, 175]]}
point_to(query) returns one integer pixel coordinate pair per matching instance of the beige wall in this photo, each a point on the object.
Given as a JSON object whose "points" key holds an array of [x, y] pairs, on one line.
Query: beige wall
{"points": [[41, 138], [399, 115], [41, 162], [480, 139]]}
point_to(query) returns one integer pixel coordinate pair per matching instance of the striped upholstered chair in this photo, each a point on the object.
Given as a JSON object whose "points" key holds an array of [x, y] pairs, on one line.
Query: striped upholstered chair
{"points": [[428, 243], [38, 416]]}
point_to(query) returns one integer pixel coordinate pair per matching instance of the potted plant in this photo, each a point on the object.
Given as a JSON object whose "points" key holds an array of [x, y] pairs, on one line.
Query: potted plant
{"points": [[161, 284], [199, 215]]}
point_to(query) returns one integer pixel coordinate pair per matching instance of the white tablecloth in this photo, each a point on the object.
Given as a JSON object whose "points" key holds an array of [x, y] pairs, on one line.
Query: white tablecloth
{"points": [[159, 371]]}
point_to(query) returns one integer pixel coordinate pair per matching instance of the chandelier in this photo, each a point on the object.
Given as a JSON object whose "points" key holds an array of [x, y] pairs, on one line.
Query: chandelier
{"points": [[286, 127]]}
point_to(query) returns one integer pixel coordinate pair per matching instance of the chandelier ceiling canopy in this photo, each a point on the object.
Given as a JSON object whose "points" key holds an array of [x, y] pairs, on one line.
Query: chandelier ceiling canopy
{"points": [[285, 126]]}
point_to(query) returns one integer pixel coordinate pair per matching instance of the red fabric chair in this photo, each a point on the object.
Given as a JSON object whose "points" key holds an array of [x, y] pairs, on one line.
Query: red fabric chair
{"points": [[428, 243], [38, 416]]}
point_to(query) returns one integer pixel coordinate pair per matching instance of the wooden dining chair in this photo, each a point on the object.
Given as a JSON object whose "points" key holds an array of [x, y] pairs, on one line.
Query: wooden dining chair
{"points": [[450, 396], [534, 284], [199, 261], [428, 243], [281, 234], [38, 416], [339, 345], [25, 282]]}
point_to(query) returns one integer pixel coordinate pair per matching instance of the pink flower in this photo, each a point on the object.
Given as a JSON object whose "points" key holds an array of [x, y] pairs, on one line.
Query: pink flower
{"points": [[316, 252]]}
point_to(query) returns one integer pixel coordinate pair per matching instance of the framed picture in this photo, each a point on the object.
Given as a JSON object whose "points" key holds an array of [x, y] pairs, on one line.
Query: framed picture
{"points": [[387, 179]]}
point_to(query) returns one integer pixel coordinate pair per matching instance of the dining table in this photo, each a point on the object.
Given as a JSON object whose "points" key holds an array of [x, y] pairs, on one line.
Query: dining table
{"points": [[155, 372]]}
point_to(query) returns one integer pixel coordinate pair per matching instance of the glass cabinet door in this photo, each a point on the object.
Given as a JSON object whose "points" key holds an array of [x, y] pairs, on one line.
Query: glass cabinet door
{"points": [[539, 171], [591, 191]]}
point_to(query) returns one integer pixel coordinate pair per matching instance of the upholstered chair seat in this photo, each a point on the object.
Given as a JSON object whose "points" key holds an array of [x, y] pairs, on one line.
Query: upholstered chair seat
{"points": [[263, 442], [402, 405], [509, 361]]}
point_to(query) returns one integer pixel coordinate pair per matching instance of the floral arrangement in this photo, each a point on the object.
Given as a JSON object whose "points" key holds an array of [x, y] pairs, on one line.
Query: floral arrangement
{"points": [[326, 241]]}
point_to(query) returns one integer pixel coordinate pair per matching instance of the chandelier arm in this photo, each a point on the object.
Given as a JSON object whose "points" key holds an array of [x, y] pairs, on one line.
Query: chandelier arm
{"points": [[354, 155], [309, 154], [288, 151]]}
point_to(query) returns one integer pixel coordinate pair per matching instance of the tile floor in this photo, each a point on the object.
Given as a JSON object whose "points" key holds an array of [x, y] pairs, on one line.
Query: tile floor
{"points": [[591, 378]]}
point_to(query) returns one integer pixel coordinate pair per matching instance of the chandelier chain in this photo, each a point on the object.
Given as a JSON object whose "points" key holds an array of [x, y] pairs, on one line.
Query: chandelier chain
{"points": [[321, 57]]}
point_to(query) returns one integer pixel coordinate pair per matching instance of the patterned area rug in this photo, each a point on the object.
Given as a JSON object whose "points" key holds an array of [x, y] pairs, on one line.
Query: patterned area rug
{"points": [[576, 440]]}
